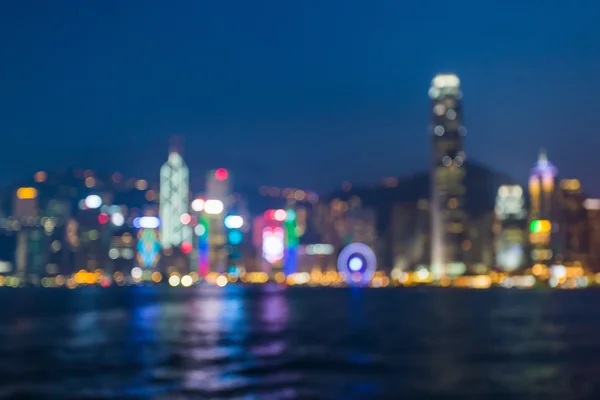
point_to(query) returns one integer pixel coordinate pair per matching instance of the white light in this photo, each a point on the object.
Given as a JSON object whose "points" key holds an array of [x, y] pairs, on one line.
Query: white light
{"points": [[185, 219], [146, 222], [439, 130], [127, 254], [233, 222], [439, 109], [445, 80], [136, 273], [447, 161], [355, 264], [559, 271], [213, 207], [592, 204], [458, 161], [280, 215], [117, 219], [221, 281], [199, 230], [422, 274], [319, 249], [186, 281], [93, 201], [273, 245], [451, 115], [174, 280], [198, 205], [113, 253]]}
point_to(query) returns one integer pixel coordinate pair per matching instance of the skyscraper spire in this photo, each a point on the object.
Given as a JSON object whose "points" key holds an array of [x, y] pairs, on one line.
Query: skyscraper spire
{"points": [[543, 156]]}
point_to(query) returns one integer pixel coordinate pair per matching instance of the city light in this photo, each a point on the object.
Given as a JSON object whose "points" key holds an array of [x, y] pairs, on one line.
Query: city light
{"points": [[117, 219], [103, 218], [93, 201], [213, 207], [279, 215], [146, 222], [26, 193], [221, 174], [185, 219], [221, 281], [540, 226], [174, 280], [198, 205], [186, 281], [233, 222]]}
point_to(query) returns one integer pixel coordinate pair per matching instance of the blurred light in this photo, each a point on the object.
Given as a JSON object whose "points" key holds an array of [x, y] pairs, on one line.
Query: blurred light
{"points": [[174, 280], [235, 237], [280, 215], [540, 226], [103, 218], [319, 249], [141, 184], [299, 195], [156, 277], [185, 219], [113, 254], [93, 201], [116, 177], [355, 264], [213, 207], [291, 215], [445, 81], [90, 182], [56, 246], [26, 193], [221, 281], [186, 247], [40, 176], [422, 274], [269, 215], [198, 205], [221, 174], [592, 204], [146, 222], [186, 281], [117, 219], [234, 222], [136, 273], [558, 271], [150, 195], [199, 230]]}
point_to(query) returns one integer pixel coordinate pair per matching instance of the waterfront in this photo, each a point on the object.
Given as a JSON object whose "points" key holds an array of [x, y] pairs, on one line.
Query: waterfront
{"points": [[267, 343]]}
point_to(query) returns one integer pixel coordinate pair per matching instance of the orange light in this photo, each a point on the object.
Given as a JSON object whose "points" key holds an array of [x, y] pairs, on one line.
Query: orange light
{"points": [[26, 193], [40, 176]]}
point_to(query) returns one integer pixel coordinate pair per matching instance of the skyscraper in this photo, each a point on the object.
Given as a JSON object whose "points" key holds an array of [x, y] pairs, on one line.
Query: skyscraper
{"points": [[510, 235], [174, 201], [447, 178], [541, 193]]}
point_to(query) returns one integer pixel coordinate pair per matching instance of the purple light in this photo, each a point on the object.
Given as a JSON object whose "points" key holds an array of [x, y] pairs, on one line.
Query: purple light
{"points": [[357, 264]]}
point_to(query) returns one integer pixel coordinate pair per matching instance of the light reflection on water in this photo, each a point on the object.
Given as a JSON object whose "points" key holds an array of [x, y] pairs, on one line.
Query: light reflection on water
{"points": [[267, 343]]}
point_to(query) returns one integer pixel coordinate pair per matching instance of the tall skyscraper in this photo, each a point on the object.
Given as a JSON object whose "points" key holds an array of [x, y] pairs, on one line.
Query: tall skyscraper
{"points": [[174, 201], [510, 235], [541, 193], [448, 218]]}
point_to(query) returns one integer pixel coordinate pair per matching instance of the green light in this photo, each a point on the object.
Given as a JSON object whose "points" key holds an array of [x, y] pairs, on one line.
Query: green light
{"points": [[535, 226]]}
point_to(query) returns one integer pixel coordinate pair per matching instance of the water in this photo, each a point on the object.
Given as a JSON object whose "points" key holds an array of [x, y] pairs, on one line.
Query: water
{"points": [[299, 343]]}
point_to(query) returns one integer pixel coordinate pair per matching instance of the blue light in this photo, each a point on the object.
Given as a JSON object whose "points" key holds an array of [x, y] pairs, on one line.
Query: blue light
{"points": [[235, 237]]}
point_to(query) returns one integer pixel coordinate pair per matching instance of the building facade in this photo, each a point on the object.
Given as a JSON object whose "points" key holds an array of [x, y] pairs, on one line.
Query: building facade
{"points": [[174, 201], [448, 218]]}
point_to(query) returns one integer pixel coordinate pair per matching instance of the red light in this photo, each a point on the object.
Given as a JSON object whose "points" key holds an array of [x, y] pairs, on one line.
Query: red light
{"points": [[270, 215], [186, 247], [221, 174], [103, 218]]}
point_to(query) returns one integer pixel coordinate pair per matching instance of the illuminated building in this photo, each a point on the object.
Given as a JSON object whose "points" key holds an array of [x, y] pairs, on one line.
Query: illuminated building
{"points": [[448, 217], [217, 192], [574, 227], [510, 232], [541, 218], [290, 265], [409, 235], [593, 211], [174, 201], [26, 202], [148, 245]]}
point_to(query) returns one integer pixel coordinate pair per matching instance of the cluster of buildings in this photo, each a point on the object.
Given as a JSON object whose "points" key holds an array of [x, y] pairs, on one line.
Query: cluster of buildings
{"points": [[84, 228]]}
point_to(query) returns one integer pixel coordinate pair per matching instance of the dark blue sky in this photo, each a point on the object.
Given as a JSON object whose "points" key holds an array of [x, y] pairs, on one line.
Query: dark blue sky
{"points": [[298, 93]]}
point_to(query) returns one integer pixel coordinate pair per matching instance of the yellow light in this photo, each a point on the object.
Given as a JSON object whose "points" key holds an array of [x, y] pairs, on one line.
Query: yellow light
{"points": [[141, 184], [221, 281], [186, 281], [156, 277], [174, 280], [26, 193]]}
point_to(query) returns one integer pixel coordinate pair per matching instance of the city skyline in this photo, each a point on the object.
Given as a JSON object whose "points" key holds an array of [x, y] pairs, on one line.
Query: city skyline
{"points": [[116, 90]]}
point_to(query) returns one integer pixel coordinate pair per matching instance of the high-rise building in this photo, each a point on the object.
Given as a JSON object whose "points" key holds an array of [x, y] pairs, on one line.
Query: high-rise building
{"points": [[174, 201], [448, 218], [510, 233], [541, 213], [573, 224]]}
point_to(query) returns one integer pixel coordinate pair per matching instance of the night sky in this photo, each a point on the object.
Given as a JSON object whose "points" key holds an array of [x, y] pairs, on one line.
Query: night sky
{"points": [[295, 93]]}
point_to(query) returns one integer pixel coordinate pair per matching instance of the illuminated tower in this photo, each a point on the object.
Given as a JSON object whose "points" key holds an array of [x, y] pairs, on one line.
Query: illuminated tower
{"points": [[541, 193], [447, 178], [510, 229], [174, 193]]}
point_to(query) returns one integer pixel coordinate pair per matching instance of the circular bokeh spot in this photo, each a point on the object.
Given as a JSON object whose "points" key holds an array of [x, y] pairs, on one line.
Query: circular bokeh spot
{"points": [[357, 264]]}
